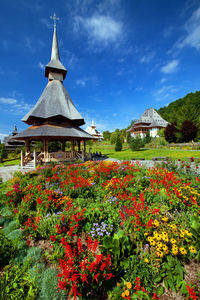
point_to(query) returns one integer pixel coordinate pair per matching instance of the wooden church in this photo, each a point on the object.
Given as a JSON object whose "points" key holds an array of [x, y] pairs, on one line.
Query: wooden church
{"points": [[54, 117]]}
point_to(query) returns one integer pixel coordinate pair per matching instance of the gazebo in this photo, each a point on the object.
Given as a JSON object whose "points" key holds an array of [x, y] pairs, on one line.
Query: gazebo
{"points": [[54, 117]]}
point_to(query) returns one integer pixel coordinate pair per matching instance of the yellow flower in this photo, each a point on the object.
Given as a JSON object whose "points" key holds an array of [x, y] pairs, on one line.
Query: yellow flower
{"points": [[165, 248], [165, 239], [118, 284], [193, 249], [158, 237], [183, 251], [129, 285], [174, 250], [164, 219], [127, 292], [146, 260], [123, 295], [159, 253], [152, 243], [156, 223], [173, 241]]}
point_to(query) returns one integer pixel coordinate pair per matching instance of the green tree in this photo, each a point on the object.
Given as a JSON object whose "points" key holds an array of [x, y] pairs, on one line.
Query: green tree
{"points": [[136, 143], [147, 139], [118, 144], [54, 146], [106, 135], [3, 152], [113, 138]]}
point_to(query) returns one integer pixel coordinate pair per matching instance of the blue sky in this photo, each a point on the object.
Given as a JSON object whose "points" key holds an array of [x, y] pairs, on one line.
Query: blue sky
{"points": [[122, 56]]}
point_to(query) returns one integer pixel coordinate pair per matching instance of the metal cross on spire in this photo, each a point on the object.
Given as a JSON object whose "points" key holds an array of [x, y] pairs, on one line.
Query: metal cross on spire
{"points": [[54, 18]]}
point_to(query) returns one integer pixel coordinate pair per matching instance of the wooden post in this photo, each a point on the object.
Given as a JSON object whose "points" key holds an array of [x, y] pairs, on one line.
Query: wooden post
{"points": [[22, 159], [84, 145], [79, 146], [73, 152], [27, 145], [63, 146], [34, 158]]}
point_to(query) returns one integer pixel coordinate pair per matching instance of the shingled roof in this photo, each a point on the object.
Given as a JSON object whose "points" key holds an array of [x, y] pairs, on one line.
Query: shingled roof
{"points": [[54, 131], [151, 118], [54, 101]]}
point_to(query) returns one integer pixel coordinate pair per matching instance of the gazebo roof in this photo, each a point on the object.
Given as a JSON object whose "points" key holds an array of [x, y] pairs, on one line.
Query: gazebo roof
{"points": [[54, 101], [54, 131]]}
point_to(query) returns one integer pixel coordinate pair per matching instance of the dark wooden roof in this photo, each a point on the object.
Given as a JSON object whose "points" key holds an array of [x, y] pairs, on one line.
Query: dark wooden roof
{"points": [[54, 131], [54, 101]]}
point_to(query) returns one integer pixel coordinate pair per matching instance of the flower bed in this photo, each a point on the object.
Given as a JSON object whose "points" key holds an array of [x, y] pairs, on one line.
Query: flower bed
{"points": [[101, 230]]}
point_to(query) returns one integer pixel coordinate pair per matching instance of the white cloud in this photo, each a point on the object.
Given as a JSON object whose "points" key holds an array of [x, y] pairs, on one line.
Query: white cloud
{"points": [[170, 67], [41, 65], [147, 58], [4, 100], [164, 92], [192, 28], [14, 106], [80, 82], [100, 28], [139, 88], [162, 80]]}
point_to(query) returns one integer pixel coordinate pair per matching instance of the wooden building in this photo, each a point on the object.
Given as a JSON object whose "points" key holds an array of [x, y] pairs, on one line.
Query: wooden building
{"points": [[54, 117], [150, 121], [92, 130], [11, 143]]}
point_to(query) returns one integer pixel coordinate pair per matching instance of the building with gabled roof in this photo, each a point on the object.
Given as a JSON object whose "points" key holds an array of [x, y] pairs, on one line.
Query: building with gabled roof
{"points": [[92, 130], [54, 116], [11, 143], [150, 121]]}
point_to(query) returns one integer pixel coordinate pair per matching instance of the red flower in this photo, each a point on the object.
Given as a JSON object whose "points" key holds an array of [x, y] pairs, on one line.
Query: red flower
{"points": [[53, 238]]}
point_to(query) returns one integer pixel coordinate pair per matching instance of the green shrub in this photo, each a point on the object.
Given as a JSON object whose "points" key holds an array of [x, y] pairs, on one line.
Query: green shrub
{"points": [[6, 250], [34, 255], [16, 283], [136, 143], [118, 144], [48, 286], [10, 227]]}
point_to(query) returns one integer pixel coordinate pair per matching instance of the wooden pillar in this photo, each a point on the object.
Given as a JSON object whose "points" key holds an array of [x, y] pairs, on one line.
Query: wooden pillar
{"points": [[34, 158], [79, 146], [27, 145], [63, 146], [84, 147], [22, 159], [45, 143], [73, 150]]}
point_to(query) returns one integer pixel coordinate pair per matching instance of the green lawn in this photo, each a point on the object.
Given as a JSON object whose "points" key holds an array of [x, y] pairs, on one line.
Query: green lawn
{"points": [[10, 162], [127, 154]]}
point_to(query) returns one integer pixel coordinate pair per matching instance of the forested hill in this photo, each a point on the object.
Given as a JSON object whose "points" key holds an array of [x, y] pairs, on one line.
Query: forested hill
{"points": [[187, 108]]}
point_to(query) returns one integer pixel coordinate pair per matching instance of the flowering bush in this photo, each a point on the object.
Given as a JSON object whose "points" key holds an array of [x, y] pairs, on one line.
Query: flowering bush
{"points": [[108, 223]]}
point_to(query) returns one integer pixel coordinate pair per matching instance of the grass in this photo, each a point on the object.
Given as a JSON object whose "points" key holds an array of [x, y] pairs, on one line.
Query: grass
{"points": [[10, 162], [127, 153]]}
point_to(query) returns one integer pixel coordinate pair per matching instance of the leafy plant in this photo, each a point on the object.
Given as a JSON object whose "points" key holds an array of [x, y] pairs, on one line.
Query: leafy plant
{"points": [[172, 272], [120, 247], [7, 250], [47, 285], [16, 283]]}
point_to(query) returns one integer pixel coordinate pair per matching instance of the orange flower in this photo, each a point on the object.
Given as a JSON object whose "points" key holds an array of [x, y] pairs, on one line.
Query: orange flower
{"points": [[129, 285]]}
